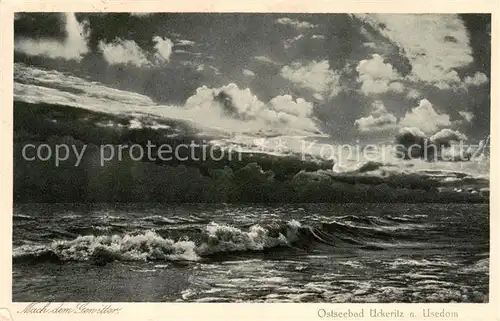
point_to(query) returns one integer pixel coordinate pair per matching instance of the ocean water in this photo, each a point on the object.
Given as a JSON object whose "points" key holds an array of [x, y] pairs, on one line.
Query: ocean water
{"points": [[251, 253]]}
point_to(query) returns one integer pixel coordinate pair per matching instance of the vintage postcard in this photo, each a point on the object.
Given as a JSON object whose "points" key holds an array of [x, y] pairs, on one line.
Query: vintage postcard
{"points": [[335, 158]]}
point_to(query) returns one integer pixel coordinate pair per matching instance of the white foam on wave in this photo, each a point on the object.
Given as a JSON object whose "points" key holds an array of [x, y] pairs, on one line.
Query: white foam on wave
{"points": [[418, 263], [23, 216], [151, 246], [159, 219], [146, 246], [481, 266], [226, 238]]}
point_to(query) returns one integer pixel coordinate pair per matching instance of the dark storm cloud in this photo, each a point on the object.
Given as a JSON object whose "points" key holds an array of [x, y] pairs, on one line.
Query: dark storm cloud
{"points": [[39, 25], [478, 26], [479, 100]]}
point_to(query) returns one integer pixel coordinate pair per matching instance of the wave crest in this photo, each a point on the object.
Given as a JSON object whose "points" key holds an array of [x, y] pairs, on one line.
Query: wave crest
{"points": [[150, 246]]}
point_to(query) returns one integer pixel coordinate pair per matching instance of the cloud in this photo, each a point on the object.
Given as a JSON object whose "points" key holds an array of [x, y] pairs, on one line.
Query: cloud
{"points": [[420, 121], [295, 23], [397, 87], [39, 85], [203, 55], [314, 76], [73, 47], [183, 52], [128, 52], [318, 96], [318, 37], [214, 69], [376, 68], [378, 120], [454, 82], [374, 124], [377, 77], [413, 94], [204, 68], [450, 80], [413, 142], [163, 47], [265, 59], [467, 115], [286, 104], [425, 118], [415, 132], [287, 43], [436, 45], [378, 108], [227, 106], [248, 73], [185, 43], [123, 52], [477, 80], [446, 136]]}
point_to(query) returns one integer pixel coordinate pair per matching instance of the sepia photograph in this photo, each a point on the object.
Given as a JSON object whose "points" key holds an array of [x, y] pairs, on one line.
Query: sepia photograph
{"points": [[251, 157]]}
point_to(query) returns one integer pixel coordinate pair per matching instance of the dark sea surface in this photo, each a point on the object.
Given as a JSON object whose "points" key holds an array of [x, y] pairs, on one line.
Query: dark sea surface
{"points": [[230, 253]]}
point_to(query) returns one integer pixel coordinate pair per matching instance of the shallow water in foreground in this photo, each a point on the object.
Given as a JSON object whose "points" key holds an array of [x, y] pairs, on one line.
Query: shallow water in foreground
{"points": [[217, 253]]}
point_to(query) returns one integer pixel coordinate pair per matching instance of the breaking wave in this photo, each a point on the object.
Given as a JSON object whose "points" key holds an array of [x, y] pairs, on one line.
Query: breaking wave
{"points": [[196, 243], [150, 245]]}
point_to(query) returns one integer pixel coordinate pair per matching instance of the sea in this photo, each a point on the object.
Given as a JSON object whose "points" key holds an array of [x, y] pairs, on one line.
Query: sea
{"points": [[251, 253]]}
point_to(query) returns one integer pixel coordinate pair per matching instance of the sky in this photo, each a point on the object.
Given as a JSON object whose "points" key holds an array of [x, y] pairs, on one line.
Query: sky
{"points": [[351, 76]]}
